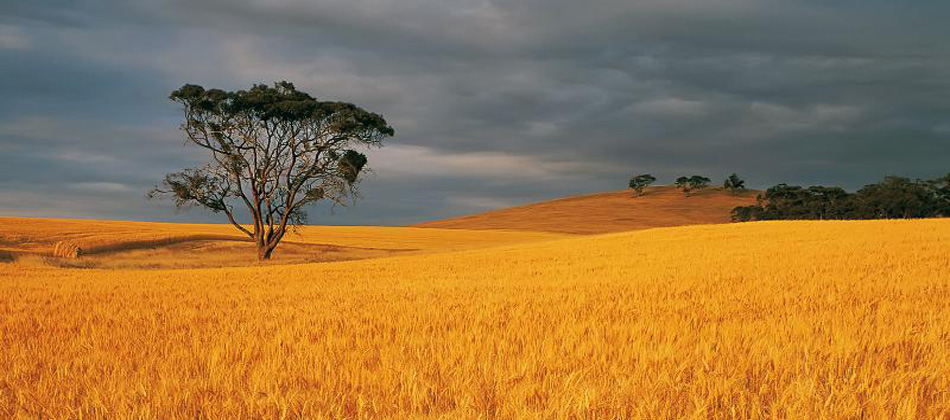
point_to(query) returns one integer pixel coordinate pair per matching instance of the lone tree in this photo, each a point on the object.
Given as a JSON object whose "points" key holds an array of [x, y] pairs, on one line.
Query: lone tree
{"points": [[734, 184], [697, 182], [639, 182], [692, 183], [683, 184], [274, 150]]}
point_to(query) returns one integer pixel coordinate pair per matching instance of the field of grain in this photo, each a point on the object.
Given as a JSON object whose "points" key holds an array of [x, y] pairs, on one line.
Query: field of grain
{"points": [[766, 320], [618, 211], [115, 244]]}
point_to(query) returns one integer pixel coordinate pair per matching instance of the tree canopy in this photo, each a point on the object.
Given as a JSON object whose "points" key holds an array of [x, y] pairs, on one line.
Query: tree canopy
{"points": [[640, 182], [692, 183], [734, 184]]}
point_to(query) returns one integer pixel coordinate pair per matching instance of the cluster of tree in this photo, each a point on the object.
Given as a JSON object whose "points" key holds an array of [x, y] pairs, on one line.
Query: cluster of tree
{"points": [[688, 184], [692, 183], [893, 198]]}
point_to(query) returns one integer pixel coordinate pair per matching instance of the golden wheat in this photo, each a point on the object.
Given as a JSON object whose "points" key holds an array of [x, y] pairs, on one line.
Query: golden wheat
{"points": [[36, 234], [113, 244], [66, 249], [811, 320]]}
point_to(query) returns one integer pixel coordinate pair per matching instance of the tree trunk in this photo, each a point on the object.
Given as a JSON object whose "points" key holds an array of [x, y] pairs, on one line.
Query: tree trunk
{"points": [[264, 251]]}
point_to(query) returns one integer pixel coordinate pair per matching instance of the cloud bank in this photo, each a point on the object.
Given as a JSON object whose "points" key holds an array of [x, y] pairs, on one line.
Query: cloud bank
{"points": [[494, 102]]}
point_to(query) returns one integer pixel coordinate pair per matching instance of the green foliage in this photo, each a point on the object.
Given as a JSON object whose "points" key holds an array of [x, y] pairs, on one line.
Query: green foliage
{"points": [[734, 184], [692, 183], [699, 182], [194, 186], [892, 198], [640, 182], [351, 163]]}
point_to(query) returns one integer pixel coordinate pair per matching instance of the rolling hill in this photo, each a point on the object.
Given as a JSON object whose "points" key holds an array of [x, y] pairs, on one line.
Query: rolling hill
{"points": [[662, 206]]}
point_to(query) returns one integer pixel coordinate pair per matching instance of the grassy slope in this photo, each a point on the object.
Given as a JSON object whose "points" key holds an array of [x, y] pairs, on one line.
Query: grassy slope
{"points": [[758, 320], [608, 212]]}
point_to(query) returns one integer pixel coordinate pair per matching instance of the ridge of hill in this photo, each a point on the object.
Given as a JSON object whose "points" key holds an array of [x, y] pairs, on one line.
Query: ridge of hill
{"points": [[615, 211]]}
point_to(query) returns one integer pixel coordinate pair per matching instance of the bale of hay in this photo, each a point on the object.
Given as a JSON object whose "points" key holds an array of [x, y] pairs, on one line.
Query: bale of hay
{"points": [[66, 249]]}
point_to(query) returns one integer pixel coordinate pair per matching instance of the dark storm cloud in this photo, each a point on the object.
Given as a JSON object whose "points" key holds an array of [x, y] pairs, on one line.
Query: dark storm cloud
{"points": [[494, 102]]}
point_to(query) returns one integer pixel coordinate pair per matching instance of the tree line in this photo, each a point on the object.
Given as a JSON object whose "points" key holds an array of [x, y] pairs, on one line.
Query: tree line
{"points": [[893, 198], [687, 184]]}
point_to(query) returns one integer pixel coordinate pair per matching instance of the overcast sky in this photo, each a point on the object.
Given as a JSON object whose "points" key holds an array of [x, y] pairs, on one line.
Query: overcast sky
{"points": [[495, 103]]}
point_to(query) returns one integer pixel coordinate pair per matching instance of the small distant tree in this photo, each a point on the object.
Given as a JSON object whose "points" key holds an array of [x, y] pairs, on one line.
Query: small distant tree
{"points": [[683, 184], [274, 150], [692, 183], [640, 182], [697, 182], [734, 184]]}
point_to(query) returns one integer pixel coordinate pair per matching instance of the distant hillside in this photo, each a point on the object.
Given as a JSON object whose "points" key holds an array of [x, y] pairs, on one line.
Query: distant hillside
{"points": [[608, 212]]}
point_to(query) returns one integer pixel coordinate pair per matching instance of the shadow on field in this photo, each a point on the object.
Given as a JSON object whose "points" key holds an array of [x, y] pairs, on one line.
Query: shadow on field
{"points": [[157, 243], [204, 251]]}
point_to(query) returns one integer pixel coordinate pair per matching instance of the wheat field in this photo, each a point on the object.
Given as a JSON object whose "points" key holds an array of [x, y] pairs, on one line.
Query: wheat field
{"points": [[765, 320], [121, 244]]}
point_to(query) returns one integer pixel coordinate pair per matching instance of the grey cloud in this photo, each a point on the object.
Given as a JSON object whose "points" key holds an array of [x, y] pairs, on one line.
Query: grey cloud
{"points": [[494, 102]]}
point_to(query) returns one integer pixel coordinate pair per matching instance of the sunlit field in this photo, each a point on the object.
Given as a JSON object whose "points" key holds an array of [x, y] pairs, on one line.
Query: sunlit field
{"points": [[766, 320], [112, 244], [617, 211]]}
